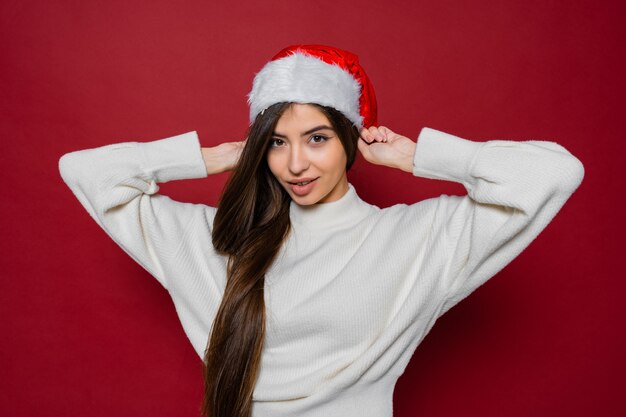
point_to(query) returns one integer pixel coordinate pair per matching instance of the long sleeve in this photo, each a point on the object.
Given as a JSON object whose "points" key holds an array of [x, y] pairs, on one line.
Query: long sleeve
{"points": [[117, 184], [514, 190], [359, 287]]}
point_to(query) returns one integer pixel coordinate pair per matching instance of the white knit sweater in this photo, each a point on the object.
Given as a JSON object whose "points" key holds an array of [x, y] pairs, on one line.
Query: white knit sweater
{"points": [[355, 288]]}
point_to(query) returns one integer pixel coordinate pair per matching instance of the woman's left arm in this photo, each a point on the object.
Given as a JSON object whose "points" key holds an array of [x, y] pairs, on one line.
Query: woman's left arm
{"points": [[515, 188]]}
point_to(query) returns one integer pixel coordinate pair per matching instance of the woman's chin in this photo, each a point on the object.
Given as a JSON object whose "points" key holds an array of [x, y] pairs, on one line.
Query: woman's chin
{"points": [[304, 201]]}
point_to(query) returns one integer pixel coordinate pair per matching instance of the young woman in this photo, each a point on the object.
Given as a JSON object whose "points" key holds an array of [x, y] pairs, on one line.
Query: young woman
{"points": [[303, 299]]}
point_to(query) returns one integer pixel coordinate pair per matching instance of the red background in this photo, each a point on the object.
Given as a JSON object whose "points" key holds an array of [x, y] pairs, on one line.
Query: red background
{"points": [[86, 331]]}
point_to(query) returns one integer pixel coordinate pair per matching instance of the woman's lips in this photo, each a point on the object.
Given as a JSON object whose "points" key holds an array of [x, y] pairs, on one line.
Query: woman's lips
{"points": [[303, 186]]}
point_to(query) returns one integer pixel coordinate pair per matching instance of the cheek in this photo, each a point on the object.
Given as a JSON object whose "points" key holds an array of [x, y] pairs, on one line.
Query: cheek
{"points": [[336, 159], [274, 163]]}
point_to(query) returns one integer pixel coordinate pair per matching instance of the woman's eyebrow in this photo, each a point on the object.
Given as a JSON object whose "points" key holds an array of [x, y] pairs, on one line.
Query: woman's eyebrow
{"points": [[316, 128]]}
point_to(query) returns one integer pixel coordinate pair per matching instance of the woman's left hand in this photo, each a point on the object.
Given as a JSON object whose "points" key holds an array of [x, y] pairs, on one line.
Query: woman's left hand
{"points": [[381, 146]]}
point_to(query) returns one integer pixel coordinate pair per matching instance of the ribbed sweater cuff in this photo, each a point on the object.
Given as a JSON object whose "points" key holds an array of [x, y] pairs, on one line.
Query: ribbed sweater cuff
{"points": [[174, 158], [439, 155]]}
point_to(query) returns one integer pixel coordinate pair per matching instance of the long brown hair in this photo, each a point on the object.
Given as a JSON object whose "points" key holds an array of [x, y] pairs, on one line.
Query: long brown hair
{"points": [[250, 225]]}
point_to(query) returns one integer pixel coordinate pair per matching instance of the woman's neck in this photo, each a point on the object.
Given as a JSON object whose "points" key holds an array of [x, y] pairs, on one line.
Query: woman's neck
{"points": [[347, 210]]}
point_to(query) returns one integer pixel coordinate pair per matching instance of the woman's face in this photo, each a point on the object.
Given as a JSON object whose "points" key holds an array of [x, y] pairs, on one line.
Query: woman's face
{"points": [[306, 156]]}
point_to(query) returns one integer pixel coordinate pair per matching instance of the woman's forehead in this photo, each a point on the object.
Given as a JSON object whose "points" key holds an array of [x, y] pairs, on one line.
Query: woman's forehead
{"points": [[300, 119]]}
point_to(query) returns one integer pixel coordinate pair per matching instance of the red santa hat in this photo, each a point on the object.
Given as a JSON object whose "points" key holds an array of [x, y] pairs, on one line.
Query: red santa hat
{"points": [[316, 74]]}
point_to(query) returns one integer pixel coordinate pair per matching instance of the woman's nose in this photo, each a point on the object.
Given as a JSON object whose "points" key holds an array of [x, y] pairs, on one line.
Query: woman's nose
{"points": [[298, 161]]}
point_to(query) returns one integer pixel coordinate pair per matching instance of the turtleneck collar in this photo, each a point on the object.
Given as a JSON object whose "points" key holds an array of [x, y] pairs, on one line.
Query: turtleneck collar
{"points": [[348, 210]]}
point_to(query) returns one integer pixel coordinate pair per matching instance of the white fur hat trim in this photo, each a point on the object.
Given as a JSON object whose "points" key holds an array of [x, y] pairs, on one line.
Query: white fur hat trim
{"points": [[302, 78]]}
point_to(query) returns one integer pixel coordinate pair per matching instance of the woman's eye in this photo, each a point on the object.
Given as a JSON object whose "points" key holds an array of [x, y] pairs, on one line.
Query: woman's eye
{"points": [[276, 142], [318, 138]]}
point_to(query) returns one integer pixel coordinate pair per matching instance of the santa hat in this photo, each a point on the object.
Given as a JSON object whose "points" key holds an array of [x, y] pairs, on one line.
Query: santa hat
{"points": [[316, 74]]}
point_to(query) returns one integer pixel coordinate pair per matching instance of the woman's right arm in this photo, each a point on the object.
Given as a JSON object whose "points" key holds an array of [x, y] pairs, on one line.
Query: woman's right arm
{"points": [[117, 184]]}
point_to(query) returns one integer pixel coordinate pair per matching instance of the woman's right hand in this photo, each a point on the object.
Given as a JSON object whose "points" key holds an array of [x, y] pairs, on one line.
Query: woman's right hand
{"points": [[223, 157]]}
